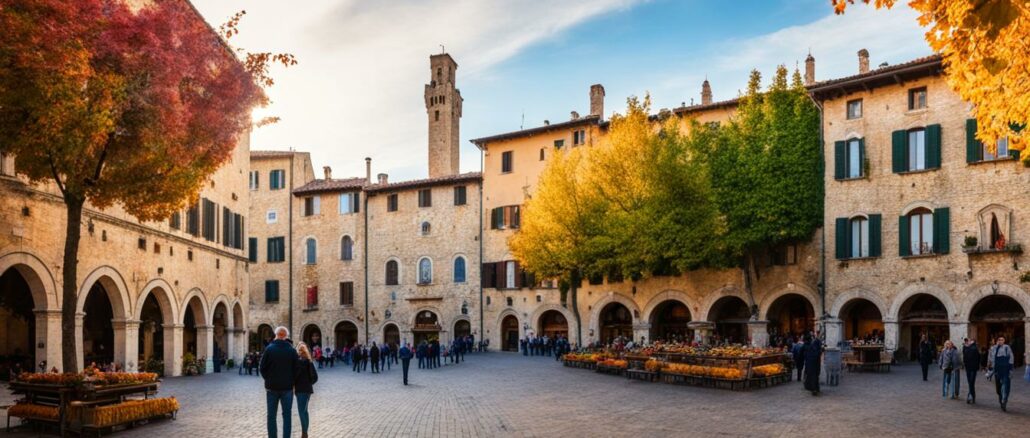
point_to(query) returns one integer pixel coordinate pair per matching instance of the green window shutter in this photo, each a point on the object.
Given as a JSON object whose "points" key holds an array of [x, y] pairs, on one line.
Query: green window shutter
{"points": [[973, 151], [839, 161], [903, 237], [941, 231], [875, 230], [1014, 154], [842, 239], [899, 151], [933, 147], [861, 157]]}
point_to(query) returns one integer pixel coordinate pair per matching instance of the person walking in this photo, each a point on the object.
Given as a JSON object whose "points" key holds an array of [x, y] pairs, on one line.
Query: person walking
{"points": [[1000, 360], [405, 355], [374, 353], [304, 385], [971, 362], [420, 351], [813, 354], [364, 358], [317, 355], [949, 363], [926, 353], [797, 352], [385, 352], [278, 368]]}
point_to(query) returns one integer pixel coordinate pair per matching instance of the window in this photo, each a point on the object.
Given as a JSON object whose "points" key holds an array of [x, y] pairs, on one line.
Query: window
{"points": [[157, 248], [346, 248], [189, 255], [509, 274], [509, 301], [312, 297], [310, 251], [426, 228], [917, 149], [254, 175], [271, 217], [425, 271], [506, 161], [349, 203], [579, 137], [508, 217], [271, 291], [541, 154], [460, 195], [277, 179], [920, 224], [209, 219], [312, 205], [849, 159], [232, 229], [141, 244], [175, 221], [855, 158], [539, 298], [854, 109], [391, 202], [558, 144], [252, 249], [459, 269], [487, 301], [1001, 150], [346, 293], [391, 273], [917, 98], [193, 220], [276, 249], [859, 238], [425, 198], [437, 116]]}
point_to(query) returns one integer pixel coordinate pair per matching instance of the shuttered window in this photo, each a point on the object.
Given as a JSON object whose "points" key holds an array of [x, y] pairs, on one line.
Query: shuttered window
{"points": [[252, 249], [858, 237], [277, 179], [391, 273], [271, 291], [210, 209], [425, 198], [506, 161], [276, 251], [346, 293], [460, 195], [391, 202], [505, 217]]}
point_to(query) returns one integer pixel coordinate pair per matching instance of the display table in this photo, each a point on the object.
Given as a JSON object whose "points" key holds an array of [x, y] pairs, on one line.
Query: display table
{"points": [[868, 357]]}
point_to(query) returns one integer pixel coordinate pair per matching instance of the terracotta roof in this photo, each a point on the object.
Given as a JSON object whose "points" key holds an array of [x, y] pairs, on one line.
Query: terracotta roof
{"points": [[428, 182], [271, 154], [698, 108], [330, 185], [588, 120], [889, 75]]}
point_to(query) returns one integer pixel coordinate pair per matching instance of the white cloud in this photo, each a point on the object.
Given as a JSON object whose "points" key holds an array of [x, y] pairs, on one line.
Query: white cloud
{"points": [[357, 90]]}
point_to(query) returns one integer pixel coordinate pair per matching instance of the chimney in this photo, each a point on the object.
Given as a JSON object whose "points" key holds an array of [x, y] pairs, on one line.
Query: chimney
{"points": [[368, 170], [809, 70], [863, 61], [597, 100], [382, 178], [328, 172], [547, 122], [574, 116], [706, 93]]}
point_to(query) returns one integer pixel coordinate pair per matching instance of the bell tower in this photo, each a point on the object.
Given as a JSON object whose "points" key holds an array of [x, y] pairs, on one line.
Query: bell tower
{"points": [[443, 108]]}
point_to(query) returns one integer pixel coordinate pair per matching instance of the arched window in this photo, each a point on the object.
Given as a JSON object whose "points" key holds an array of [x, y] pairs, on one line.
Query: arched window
{"points": [[346, 248], [859, 237], [425, 271], [459, 270], [311, 251], [426, 228], [920, 223], [510, 301], [997, 237], [391, 273]]}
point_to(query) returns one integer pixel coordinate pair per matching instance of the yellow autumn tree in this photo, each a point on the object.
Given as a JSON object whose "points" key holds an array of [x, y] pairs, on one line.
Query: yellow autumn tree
{"points": [[985, 46]]}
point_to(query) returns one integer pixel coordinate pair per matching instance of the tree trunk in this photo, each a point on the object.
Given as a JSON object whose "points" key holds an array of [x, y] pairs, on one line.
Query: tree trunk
{"points": [[573, 288], [69, 282], [748, 265]]}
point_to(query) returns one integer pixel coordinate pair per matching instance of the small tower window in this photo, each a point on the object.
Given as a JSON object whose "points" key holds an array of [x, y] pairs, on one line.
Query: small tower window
{"points": [[437, 115], [443, 99], [426, 228]]}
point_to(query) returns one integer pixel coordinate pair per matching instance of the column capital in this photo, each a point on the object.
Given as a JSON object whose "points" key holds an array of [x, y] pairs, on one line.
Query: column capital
{"points": [[889, 320], [54, 312], [173, 326], [205, 327]]}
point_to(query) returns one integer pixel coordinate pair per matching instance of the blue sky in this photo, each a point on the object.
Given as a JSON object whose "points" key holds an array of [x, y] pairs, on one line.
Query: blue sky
{"points": [[357, 91]]}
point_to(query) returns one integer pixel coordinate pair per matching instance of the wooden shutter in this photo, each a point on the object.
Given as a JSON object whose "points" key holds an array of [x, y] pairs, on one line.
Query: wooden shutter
{"points": [[899, 151], [973, 151], [355, 199], [502, 278], [489, 275], [861, 158], [875, 230], [519, 276], [840, 160], [841, 238], [252, 250], [941, 231], [933, 147], [904, 248], [516, 217]]}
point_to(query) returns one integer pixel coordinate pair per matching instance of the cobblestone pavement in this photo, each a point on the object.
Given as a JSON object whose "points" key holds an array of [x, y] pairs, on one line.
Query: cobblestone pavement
{"points": [[503, 394]]}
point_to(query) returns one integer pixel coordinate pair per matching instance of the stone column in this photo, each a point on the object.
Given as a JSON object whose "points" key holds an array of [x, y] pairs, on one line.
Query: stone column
{"points": [[641, 330], [173, 349], [79, 351], [1026, 340], [48, 334], [230, 344], [205, 346], [890, 335], [957, 331], [834, 332], [758, 331], [126, 343], [147, 330], [702, 331]]}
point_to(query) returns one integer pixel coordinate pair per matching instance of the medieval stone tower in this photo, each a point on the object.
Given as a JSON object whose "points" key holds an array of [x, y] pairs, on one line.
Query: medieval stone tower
{"points": [[443, 107]]}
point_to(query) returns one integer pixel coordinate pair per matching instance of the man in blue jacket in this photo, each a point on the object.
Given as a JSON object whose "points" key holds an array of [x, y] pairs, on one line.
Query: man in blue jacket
{"points": [[405, 355], [278, 367]]}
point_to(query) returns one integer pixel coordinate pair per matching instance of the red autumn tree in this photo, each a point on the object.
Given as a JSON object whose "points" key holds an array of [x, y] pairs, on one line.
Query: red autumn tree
{"points": [[117, 104]]}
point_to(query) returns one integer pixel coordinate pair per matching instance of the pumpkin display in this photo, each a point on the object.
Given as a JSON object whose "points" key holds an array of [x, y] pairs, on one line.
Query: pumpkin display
{"points": [[768, 370], [131, 410], [30, 410]]}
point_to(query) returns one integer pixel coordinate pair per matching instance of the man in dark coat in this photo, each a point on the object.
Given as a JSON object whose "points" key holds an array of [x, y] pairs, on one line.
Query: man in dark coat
{"points": [[355, 355], [278, 368], [364, 358], [420, 352], [374, 356], [813, 353], [405, 355], [971, 361], [799, 358], [926, 355]]}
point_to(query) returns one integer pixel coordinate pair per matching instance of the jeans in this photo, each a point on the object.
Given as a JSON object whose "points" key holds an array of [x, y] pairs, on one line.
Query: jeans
{"points": [[274, 399], [302, 410], [950, 384], [971, 380], [1002, 386]]}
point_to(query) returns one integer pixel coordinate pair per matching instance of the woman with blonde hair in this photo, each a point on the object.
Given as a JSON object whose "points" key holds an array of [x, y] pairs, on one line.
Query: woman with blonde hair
{"points": [[950, 363], [303, 385]]}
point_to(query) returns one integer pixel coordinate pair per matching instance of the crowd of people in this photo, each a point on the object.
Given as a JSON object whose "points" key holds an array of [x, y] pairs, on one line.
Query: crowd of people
{"points": [[545, 345], [997, 363]]}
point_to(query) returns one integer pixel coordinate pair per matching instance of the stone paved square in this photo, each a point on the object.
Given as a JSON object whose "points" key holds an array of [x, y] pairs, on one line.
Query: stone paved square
{"points": [[504, 394]]}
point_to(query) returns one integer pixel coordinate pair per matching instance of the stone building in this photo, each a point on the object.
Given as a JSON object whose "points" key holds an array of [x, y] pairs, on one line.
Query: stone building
{"points": [[146, 290], [924, 225]]}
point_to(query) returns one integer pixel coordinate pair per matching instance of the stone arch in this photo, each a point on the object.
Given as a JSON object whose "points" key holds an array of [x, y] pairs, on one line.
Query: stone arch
{"points": [[540, 310], [922, 288], [436, 311], [768, 300], [1004, 216], [711, 299], [509, 312], [983, 289], [224, 300], [857, 292], [199, 315], [114, 284], [41, 282], [916, 204], [165, 297], [390, 322], [238, 318], [304, 249], [418, 269], [670, 294], [612, 297]]}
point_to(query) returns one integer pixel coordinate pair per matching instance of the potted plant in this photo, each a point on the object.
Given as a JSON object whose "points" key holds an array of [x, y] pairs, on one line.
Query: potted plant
{"points": [[969, 245]]}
